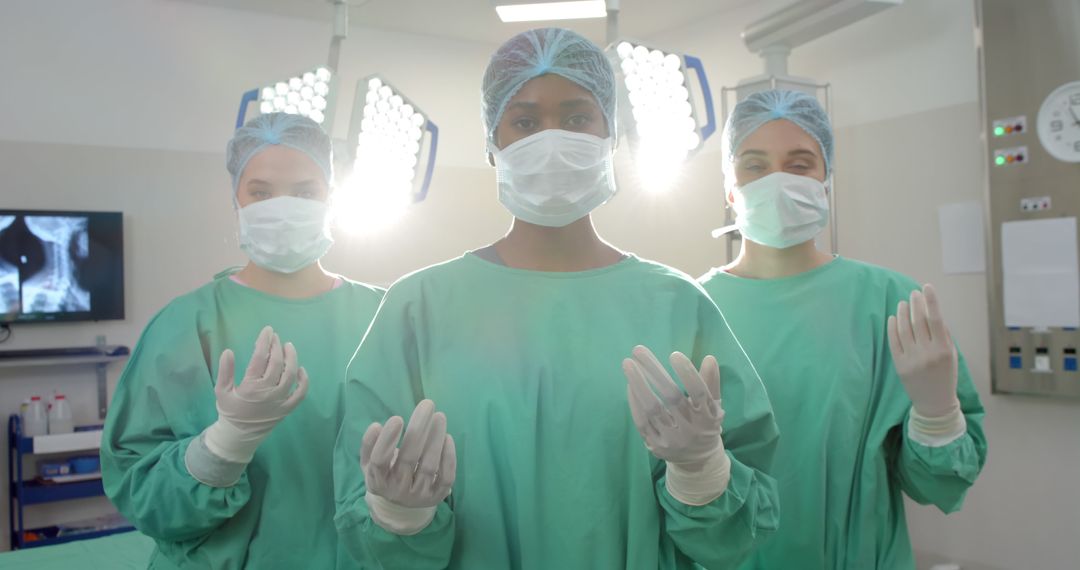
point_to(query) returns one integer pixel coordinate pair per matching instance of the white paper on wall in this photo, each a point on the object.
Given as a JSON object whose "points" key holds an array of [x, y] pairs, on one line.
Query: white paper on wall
{"points": [[963, 241], [1041, 280]]}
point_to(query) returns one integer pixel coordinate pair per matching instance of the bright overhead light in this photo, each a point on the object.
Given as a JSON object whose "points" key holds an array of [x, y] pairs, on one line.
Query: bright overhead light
{"points": [[661, 119], [390, 147], [306, 94], [510, 11], [387, 130]]}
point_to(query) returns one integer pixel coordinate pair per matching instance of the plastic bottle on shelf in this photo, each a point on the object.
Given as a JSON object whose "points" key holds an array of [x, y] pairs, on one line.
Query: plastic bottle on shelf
{"points": [[60, 420], [35, 422]]}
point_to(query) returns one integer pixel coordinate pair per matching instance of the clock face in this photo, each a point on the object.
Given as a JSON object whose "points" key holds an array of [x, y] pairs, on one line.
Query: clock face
{"points": [[1059, 123]]}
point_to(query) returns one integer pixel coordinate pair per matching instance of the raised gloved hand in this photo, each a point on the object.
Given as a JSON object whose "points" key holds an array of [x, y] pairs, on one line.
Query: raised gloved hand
{"points": [[248, 411], [924, 354], [685, 431], [406, 484]]}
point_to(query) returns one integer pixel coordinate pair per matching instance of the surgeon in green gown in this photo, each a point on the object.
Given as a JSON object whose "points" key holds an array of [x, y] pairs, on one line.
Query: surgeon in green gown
{"points": [[870, 393], [526, 370], [218, 443]]}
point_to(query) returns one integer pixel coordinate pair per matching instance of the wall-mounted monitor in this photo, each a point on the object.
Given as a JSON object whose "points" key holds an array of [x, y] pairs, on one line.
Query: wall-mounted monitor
{"points": [[61, 266]]}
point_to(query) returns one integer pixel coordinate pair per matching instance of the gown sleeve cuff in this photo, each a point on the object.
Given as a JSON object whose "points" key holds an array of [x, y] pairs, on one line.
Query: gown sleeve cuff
{"points": [[208, 468], [702, 486], [394, 518], [939, 431]]}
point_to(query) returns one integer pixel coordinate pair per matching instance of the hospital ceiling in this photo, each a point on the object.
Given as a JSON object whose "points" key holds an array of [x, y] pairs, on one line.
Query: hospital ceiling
{"points": [[476, 20]]}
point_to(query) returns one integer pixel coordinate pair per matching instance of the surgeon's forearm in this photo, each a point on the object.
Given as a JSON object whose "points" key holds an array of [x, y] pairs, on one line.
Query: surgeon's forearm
{"points": [[940, 475], [374, 546], [156, 492], [723, 533]]}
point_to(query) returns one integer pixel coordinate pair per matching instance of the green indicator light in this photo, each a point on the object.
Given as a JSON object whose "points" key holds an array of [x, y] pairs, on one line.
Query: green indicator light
{"points": [[999, 160], [998, 131]]}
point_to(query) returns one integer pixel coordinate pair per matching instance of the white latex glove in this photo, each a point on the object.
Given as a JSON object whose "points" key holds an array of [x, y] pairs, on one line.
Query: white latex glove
{"points": [[685, 431], [924, 354], [248, 411], [406, 484]]}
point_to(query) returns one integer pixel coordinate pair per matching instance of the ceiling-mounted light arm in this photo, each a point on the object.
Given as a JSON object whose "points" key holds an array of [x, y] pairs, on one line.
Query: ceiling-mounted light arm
{"points": [[249, 97], [774, 36], [433, 144], [612, 21], [341, 31], [808, 20], [776, 59], [709, 127]]}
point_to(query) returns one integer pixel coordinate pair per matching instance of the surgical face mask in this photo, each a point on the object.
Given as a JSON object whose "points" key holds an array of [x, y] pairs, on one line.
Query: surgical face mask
{"points": [[781, 210], [555, 177], [285, 234]]}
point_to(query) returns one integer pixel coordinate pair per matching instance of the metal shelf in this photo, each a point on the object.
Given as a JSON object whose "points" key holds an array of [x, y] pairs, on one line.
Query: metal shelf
{"points": [[67, 537], [23, 493], [38, 492], [99, 356], [61, 443], [59, 360]]}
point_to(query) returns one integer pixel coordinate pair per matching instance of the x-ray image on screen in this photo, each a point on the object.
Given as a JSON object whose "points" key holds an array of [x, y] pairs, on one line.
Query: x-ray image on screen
{"points": [[55, 287], [60, 265], [9, 279]]}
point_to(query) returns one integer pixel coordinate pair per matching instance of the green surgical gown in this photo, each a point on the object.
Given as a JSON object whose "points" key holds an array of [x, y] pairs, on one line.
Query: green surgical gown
{"points": [[819, 341], [279, 514], [552, 473]]}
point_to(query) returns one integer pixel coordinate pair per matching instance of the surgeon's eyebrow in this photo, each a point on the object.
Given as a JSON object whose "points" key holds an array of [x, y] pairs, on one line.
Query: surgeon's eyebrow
{"points": [[796, 152], [579, 102], [522, 104], [257, 182]]}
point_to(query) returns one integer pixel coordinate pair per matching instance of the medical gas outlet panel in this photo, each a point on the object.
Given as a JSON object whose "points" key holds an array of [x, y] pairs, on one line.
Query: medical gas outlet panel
{"points": [[1031, 116]]}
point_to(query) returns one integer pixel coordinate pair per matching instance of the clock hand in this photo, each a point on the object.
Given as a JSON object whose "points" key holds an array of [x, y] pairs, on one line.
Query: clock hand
{"points": [[1072, 111]]}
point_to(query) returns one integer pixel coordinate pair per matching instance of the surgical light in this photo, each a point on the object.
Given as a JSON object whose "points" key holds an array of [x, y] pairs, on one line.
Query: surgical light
{"points": [[304, 94], [533, 10], [659, 115], [386, 136]]}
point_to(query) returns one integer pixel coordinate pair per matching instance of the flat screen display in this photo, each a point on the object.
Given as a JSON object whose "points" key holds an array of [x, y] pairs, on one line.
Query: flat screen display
{"points": [[61, 266]]}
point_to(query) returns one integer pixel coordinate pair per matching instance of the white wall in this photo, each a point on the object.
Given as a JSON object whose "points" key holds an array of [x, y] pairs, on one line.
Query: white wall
{"points": [[907, 116], [123, 73]]}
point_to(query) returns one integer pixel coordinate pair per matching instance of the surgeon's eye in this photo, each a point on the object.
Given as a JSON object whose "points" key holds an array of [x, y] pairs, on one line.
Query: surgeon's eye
{"points": [[754, 167], [524, 123], [579, 122], [260, 194]]}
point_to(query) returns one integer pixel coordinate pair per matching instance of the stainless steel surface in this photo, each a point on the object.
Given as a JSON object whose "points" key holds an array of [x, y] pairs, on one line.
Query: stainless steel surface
{"points": [[1026, 49]]}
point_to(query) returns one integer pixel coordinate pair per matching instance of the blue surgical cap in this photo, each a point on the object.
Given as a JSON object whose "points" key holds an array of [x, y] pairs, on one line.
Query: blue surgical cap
{"points": [[764, 106], [537, 52], [294, 131]]}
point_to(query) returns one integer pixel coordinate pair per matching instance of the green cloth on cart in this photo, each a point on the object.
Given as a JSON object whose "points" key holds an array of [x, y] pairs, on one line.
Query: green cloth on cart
{"points": [[116, 552]]}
